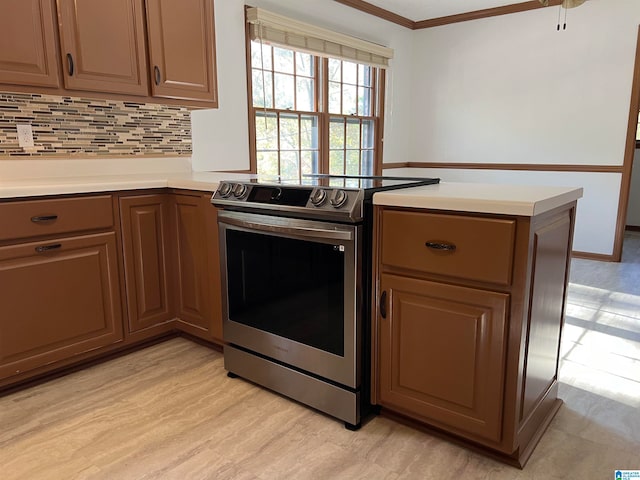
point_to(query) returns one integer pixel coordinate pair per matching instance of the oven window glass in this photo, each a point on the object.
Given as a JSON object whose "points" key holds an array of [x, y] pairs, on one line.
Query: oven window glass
{"points": [[290, 288]]}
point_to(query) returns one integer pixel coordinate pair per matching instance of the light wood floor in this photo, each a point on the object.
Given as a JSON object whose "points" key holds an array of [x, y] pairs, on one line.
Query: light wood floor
{"points": [[170, 412]]}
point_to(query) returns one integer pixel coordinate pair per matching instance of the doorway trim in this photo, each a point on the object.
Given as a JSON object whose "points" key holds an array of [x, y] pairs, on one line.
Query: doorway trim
{"points": [[629, 153]]}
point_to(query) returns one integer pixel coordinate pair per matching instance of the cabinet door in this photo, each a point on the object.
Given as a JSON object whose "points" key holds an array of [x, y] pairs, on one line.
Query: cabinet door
{"points": [[442, 354], [193, 304], [182, 49], [28, 53], [214, 290], [59, 298], [144, 241], [103, 45], [198, 265]]}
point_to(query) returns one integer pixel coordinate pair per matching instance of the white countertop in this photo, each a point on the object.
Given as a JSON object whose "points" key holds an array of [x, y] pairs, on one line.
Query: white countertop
{"points": [[523, 200], [39, 178], [28, 187]]}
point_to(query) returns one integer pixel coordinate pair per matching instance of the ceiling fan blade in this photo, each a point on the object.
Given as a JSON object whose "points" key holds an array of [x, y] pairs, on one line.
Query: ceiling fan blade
{"points": [[572, 3], [565, 3]]}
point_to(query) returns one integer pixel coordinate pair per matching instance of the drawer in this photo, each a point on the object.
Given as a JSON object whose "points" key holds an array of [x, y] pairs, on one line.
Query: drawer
{"points": [[480, 248], [31, 218]]}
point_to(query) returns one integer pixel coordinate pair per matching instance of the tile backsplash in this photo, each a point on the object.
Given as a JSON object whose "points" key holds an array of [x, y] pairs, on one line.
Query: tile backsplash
{"points": [[81, 127]]}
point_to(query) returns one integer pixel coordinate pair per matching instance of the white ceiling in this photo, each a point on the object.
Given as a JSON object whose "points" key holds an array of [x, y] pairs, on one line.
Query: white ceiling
{"points": [[426, 9]]}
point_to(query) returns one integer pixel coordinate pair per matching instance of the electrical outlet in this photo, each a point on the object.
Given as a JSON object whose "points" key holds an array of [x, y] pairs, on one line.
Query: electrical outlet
{"points": [[25, 135]]}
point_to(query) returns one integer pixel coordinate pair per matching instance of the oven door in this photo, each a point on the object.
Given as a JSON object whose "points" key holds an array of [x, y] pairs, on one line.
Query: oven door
{"points": [[291, 292]]}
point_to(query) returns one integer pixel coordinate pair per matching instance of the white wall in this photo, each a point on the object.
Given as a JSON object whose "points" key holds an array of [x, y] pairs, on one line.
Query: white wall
{"points": [[220, 136], [512, 89], [633, 209]]}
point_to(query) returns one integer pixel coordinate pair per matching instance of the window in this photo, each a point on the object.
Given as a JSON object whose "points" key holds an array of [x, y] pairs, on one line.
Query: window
{"points": [[352, 124], [312, 114], [285, 118]]}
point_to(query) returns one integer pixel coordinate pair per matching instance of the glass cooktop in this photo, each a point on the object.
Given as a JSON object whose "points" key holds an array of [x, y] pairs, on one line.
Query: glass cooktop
{"points": [[367, 183], [327, 197]]}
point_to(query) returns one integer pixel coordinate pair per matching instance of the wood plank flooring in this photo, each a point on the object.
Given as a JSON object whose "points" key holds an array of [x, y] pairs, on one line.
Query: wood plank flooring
{"points": [[170, 412]]}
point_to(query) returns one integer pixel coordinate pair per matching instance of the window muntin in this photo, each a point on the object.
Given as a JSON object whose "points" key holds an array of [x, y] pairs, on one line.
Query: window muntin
{"points": [[351, 146], [350, 88], [312, 115], [282, 79], [286, 143]]}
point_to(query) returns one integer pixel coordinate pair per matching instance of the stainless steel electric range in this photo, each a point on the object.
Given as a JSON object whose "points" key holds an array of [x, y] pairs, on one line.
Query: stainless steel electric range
{"points": [[296, 278]]}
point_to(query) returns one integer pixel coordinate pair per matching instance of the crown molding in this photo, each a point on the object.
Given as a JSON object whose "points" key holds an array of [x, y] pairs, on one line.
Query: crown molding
{"points": [[379, 12], [485, 13]]}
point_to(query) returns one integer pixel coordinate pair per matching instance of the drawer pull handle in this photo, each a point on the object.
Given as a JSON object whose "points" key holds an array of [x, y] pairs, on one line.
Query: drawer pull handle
{"points": [[383, 304], [156, 72], [449, 247], [44, 218], [46, 248]]}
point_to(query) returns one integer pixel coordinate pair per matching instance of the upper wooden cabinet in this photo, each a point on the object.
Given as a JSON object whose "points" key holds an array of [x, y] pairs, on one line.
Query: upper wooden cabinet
{"points": [[181, 49], [118, 48], [28, 53], [103, 45]]}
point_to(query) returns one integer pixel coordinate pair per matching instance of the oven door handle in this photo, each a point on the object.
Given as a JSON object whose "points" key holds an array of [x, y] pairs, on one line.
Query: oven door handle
{"points": [[306, 232]]}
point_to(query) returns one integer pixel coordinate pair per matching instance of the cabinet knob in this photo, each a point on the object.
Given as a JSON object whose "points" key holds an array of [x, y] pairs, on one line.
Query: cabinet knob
{"points": [[383, 304], [156, 72], [70, 64], [449, 247]]}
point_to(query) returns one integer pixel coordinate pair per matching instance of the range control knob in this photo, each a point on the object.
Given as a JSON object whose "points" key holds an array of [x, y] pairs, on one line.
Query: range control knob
{"points": [[240, 190], [339, 199], [225, 189], [318, 197]]}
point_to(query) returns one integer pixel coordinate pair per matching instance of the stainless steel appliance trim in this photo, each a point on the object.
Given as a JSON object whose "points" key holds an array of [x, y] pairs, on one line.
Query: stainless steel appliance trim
{"points": [[307, 212], [352, 211], [255, 222], [344, 370], [323, 396]]}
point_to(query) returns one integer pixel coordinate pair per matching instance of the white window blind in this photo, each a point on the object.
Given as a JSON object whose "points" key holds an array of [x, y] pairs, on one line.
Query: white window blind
{"points": [[276, 29]]}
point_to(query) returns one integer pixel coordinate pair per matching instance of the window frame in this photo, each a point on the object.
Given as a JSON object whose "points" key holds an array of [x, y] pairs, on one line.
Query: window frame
{"points": [[321, 102]]}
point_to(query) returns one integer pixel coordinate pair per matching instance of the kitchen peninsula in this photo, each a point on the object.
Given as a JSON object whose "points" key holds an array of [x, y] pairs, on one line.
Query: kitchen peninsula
{"points": [[487, 263], [471, 285]]}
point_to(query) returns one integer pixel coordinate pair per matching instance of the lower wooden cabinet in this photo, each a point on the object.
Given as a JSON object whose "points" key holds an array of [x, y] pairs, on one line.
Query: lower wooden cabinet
{"points": [[171, 264], [442, 353], [466, 339], [146, 252], [59, 298], [197, 265], [214, 287], [60, 292], [80, 274]]}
